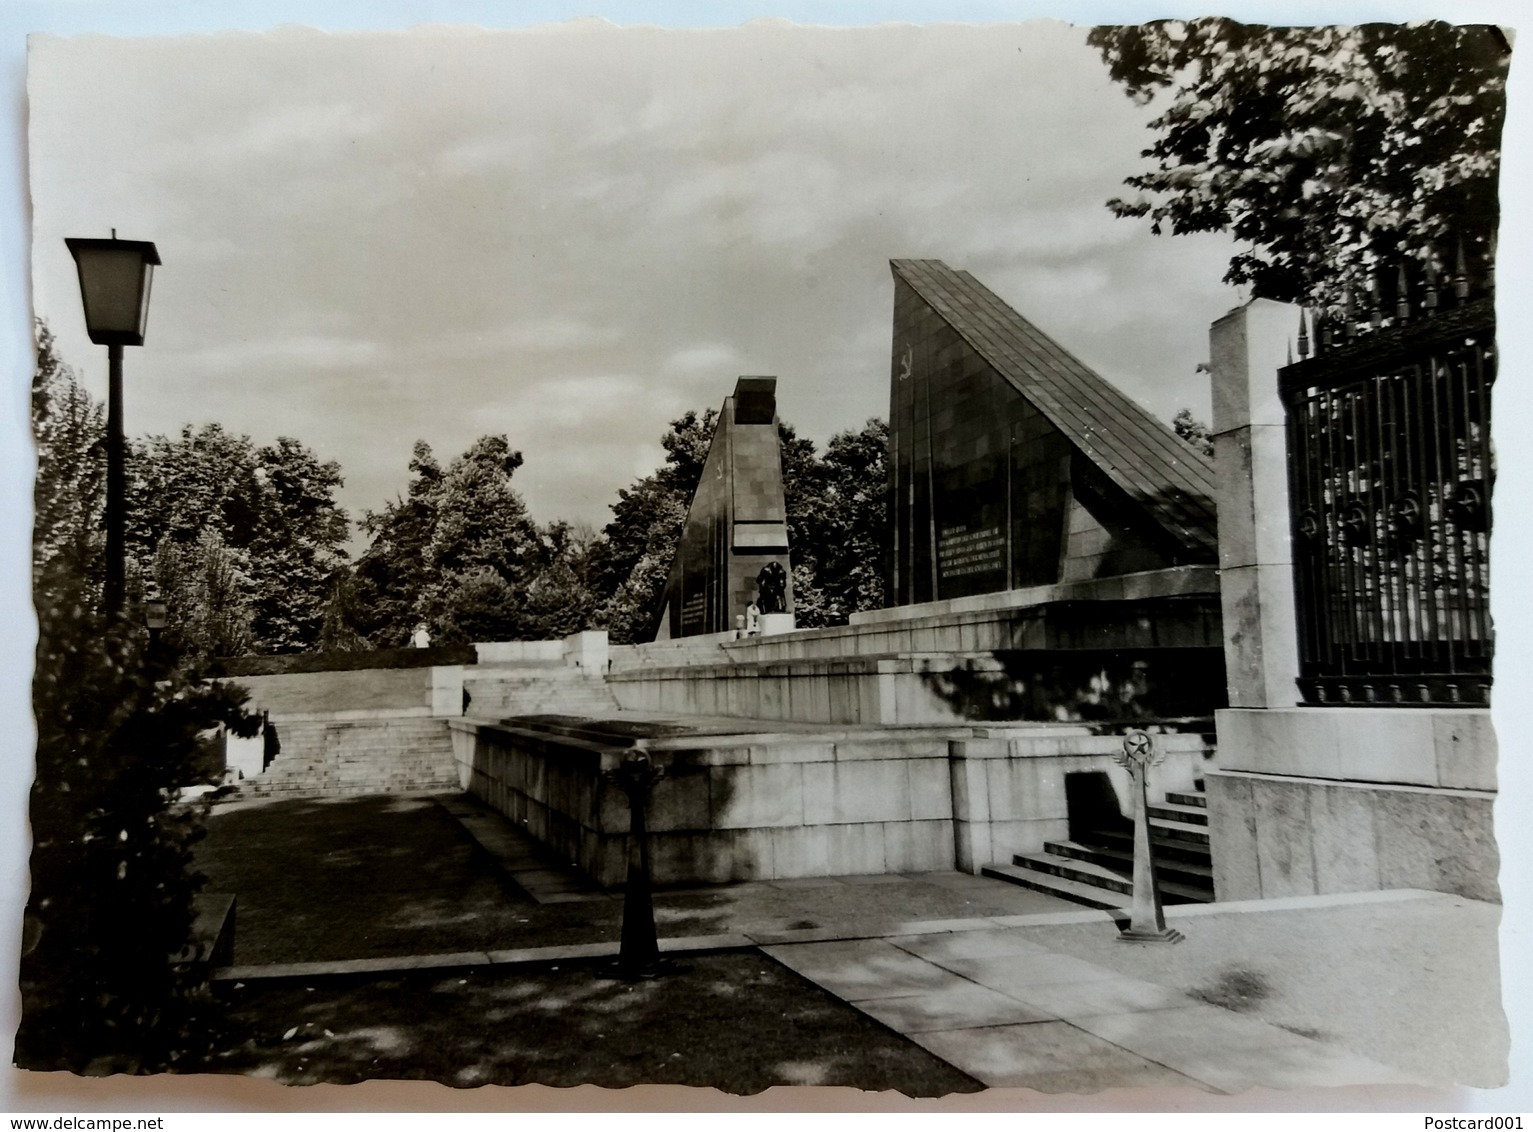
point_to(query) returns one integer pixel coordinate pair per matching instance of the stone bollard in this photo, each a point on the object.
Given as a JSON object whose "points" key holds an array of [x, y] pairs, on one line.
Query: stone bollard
{"points": [[639, 952], [1147, 921]]}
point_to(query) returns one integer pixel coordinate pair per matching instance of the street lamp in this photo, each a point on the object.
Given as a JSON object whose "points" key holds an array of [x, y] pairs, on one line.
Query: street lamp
{"points": [[114, 286], [155, 616]]}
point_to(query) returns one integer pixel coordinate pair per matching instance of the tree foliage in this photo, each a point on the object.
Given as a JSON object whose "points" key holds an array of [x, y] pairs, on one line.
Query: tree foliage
{"points": [[843, 541], [259, 524], [381, 597], [1332, 153], [1193, 431], [835, 512], [207, 611], [630, 566], [119, 732], [562, 598], [70, 490], [458, 553]]}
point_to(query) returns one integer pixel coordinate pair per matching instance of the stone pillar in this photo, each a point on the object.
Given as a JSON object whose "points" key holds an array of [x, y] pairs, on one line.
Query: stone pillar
{"points": [[587, 651], [1247, 347], [771, 624], [447, 690]]}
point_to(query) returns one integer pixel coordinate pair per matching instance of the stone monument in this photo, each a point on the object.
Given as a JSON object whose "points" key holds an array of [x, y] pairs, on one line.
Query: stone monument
{"points": [[1013, 464], [733, 550]]}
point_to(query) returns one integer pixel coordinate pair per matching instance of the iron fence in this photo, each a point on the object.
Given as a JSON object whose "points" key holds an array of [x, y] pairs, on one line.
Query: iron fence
{"points": [[1390, 475]]}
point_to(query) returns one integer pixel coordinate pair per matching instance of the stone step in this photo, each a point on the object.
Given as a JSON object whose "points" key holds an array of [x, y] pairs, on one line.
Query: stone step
{"points": [[1122, 862], [332, 757], [1076, 893], [1089, 873], [1188, 798], [1166, 849], [1190, 815], [412, 725], [1179, 831]]}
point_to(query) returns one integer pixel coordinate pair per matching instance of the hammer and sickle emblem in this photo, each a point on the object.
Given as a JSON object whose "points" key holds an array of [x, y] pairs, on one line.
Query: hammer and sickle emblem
{"points": [[907, 363]]}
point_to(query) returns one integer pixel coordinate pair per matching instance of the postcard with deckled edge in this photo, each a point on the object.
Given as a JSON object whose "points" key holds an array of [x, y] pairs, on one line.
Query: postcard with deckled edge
{"points": [[922, 559]]}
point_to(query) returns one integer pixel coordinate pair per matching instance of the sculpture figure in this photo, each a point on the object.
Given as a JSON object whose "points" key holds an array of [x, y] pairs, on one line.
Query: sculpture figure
{"points": [[772, 588]]}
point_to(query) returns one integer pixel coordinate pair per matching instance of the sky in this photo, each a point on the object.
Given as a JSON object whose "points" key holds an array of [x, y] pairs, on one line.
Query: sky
{"points": [[571, 235], [572, 243]]}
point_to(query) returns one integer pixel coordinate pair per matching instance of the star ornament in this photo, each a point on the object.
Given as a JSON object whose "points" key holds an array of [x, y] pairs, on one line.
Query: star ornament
{"points": [[1138, 750]]}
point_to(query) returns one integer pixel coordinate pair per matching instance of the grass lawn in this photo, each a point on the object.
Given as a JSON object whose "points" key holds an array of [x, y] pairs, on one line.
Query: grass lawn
{"points": [[734, 1021], [367, 877], [359, 878]]}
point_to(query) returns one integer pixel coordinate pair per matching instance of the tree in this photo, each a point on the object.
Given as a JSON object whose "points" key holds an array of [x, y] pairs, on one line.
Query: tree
{"points": [[118, 734], [1335, 153], [562, 599], [458, 553], [69, 493], [391, 574], [344, 611], [1193, 431], [851, 531], [204, 593], [835, 511], [483, 550], [272, 510], [298, 547], [629, 567]]}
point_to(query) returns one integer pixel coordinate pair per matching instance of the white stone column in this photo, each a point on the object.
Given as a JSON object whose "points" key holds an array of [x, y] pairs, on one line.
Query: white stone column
{"points": [[447, 690], [587, 651], [1247, 348]]}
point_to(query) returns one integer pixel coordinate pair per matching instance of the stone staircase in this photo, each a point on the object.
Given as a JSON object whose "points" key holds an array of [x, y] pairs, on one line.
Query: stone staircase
{"points": [[1097, 869], [552, 690], [678, 653], [329, 757]]}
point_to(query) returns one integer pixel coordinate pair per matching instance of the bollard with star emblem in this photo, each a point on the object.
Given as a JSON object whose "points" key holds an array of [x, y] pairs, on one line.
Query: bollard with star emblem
{"points": [[1147, 920]]}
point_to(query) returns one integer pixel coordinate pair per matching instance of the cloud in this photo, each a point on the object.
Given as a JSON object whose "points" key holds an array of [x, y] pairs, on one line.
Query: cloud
{"points": [[570, 403], [302, 352], [574, 237], [549, 335], [706, 357]]}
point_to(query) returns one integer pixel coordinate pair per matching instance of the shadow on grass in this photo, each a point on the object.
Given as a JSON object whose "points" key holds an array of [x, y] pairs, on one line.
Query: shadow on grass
{"points": [[735, 1021], [372, 876]]}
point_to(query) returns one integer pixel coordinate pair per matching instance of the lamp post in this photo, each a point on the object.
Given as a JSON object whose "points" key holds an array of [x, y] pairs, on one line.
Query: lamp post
{"points": [[114, 287], [155, 618], [639, 951]]}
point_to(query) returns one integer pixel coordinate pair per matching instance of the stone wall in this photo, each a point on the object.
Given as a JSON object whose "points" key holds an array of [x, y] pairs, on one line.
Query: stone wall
{"points": [[1311, 800], [1009, 786], [1139, 646], [1319, 800], [398, 690], [762, 806], [936, 689]]}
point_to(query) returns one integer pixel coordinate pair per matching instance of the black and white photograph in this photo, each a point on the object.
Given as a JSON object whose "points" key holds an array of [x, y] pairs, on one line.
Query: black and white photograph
{"points": [[944, 559]]}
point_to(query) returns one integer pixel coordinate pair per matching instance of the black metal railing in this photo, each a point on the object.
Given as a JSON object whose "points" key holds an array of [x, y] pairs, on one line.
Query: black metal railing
{"points": [[1390, 474]]}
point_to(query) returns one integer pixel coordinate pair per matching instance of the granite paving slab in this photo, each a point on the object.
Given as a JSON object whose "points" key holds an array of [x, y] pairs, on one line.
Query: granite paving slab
{"points": [[1018, 974], [956, 1006], [1049, 1056], [1310, 1065], [981, 943], [856, 970], [1191, 1030], [1010, 1013], [1086, 999]]}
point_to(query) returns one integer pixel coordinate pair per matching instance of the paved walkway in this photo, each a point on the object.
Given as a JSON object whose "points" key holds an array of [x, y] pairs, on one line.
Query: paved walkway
{"points": [[1013, 1014], [1017, 989], [1009, 1012]]}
